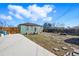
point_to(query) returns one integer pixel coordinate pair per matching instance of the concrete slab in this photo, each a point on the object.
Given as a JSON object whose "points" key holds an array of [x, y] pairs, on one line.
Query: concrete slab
{"points": [[18, 45]]}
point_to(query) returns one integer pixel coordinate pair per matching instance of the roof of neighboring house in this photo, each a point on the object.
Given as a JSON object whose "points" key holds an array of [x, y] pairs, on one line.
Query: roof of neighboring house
{"points": [[30, 24]]}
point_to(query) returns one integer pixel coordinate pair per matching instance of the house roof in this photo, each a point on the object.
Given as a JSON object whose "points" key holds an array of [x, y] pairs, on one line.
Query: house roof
{"points": [[30, 24]]}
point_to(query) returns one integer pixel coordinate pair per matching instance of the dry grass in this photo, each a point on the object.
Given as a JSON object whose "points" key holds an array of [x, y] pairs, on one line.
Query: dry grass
{"points": [[49, 42]]}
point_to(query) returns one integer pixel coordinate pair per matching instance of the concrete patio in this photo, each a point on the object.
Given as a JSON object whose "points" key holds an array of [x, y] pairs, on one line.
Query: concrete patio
{"points": [[18, 45]]}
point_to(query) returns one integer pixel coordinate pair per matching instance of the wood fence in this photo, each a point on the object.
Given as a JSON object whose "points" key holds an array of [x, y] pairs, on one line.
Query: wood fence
{"points": [[11, 30]]}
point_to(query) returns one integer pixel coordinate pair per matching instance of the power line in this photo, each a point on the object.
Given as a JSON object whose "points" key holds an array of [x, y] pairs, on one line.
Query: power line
{"points": [[68, 10]]}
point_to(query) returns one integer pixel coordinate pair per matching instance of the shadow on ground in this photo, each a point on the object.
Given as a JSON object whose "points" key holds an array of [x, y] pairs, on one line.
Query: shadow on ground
{"points": [[72, 41]]}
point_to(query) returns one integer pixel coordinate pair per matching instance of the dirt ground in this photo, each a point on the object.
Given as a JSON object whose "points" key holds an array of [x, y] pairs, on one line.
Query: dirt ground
{"points": [[62, 38], [53, 40]]}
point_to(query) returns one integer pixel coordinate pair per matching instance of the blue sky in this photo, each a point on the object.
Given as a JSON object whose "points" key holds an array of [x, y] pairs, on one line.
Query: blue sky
{"points": [[60, 13]]}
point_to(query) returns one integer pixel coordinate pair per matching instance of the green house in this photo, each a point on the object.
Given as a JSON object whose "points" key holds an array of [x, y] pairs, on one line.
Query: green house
{"points": [[30, 28]]}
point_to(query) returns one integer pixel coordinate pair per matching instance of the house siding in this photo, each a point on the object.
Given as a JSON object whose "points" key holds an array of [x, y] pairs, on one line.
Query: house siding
{"points": [[30, 29]]}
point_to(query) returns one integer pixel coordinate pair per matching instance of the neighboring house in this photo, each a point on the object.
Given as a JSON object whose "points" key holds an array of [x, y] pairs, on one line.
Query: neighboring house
{"points": [[30, 28]]}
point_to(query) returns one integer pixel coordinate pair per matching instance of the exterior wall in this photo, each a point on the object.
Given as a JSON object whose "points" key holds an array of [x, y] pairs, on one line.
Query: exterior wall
{"points": [[22, 29], [30, 29], [39, 29]]}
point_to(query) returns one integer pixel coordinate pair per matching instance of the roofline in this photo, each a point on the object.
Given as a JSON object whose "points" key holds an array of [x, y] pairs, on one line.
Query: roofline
{"points": [[30, 25]]}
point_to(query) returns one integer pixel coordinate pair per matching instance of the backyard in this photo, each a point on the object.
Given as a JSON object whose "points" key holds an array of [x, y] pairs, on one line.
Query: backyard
{"points": [[54, 42]]}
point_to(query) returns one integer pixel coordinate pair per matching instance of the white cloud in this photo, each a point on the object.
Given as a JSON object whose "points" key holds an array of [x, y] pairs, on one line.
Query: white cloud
{"points": [[16, 15], [47, 19], [5, 17], [14, 9], [9, 17], [33, 12]]}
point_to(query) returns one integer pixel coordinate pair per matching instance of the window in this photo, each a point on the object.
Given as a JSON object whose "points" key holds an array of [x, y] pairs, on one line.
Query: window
{"points": [[27, 28]]}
